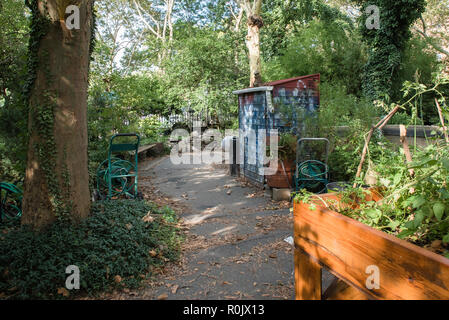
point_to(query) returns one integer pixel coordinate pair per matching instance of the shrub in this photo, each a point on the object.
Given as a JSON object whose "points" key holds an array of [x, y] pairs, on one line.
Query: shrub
{"points": [[121, 238], [357, 115], [151, 129]]}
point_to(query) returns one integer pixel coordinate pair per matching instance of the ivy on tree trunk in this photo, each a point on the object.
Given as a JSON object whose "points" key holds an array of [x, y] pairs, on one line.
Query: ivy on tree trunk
{"points": [[57, 178], [387, 43]]}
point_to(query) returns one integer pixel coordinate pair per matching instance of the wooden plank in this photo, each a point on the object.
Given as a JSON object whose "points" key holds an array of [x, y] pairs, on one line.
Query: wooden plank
{"points": [[340, 290], [348, 248], [307, 277], [146, 148], [143, 149]]}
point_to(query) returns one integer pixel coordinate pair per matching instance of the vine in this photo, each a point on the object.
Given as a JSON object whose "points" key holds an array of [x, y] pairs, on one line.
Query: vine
{"points": [[387, 44], [39, 26], [93, 32], [42, 115], [43, 120]]}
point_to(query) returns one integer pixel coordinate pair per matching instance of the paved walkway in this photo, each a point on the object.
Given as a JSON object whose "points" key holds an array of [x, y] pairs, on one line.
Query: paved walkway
{"points": [[235, 246]]}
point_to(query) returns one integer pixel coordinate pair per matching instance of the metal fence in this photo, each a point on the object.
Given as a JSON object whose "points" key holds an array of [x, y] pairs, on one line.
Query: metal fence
{"points": [[189, 118]]}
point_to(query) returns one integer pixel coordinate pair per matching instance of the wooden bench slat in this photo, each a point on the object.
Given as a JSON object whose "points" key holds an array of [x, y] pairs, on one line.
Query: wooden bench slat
{"points": [[145, 148]]}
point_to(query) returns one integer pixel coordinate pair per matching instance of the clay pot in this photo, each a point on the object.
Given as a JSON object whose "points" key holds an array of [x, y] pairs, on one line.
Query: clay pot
{"points": [[282, 180]]}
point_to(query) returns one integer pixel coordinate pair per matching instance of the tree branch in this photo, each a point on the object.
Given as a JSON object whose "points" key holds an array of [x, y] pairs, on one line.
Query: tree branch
{"points": [[257, 7], [429, 39], [139, 12]]}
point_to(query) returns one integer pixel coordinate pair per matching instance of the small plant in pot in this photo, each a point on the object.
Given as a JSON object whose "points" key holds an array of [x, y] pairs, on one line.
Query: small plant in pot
{"points": [[283, 178]]}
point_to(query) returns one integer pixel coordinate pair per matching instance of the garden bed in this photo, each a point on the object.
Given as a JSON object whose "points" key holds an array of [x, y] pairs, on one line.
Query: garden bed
{"points": [[350, 250]]}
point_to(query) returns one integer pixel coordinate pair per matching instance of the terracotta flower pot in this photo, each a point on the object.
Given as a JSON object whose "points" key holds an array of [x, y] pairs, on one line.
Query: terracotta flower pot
{"points": [[282, 179]]}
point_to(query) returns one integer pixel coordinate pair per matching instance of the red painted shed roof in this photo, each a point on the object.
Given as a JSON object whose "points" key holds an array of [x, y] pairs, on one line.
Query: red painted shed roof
{"points": [[279, 82]]}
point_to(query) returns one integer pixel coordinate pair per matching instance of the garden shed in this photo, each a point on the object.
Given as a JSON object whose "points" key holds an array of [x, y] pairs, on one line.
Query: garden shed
{"points": [[280, 105]]}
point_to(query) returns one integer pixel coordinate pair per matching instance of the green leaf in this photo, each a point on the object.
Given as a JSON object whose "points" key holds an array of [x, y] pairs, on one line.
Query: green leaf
{"points": [[444, 194], [419, 218], [393, 225], [445, 163], [410, 225], [446, 238], [405, 233], [397, 178], [418, 201], [426, 163], [374, 214], [438, 210]]}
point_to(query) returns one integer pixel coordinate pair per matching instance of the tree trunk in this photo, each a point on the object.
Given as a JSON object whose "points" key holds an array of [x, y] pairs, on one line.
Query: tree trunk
{"points": [[255, 22], [57, 178]]}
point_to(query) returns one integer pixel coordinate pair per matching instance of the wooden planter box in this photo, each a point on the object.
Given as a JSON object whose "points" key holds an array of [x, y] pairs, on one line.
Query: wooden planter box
{"points": [[325, 238]]}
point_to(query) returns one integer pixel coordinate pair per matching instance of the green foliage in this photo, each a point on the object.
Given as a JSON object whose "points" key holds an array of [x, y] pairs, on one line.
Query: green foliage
{"points": [[387, 44], [287, 147], [401, 118], [14, 36], [204, 71], [413, 208], [415, 205], [285, 19], [343, 119], [115, 240], [151, 129], [321, 47], [122, 106]]}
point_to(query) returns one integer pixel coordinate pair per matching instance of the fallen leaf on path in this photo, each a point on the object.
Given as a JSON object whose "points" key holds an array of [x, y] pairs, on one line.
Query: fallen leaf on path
{"points": [[148, 218], [436, 243], [163, 296], [153, 253], [64, 292], [174, 289]]}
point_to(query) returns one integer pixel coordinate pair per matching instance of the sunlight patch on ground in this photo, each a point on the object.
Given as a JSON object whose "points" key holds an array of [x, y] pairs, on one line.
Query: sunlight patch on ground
{"points": [[224, 230], [197, 218]]}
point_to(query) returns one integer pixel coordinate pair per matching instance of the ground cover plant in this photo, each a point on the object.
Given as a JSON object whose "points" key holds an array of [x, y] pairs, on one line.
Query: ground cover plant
{"points": [[118, 246]]}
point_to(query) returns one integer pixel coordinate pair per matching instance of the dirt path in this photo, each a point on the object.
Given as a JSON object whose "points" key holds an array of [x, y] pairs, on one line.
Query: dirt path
{"points": [[235, 246]]}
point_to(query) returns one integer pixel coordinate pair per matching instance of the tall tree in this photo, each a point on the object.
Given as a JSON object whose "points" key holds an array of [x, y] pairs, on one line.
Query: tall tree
{"points": [[253, 10], [157, 17], [387, 43], [57, 179]]}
